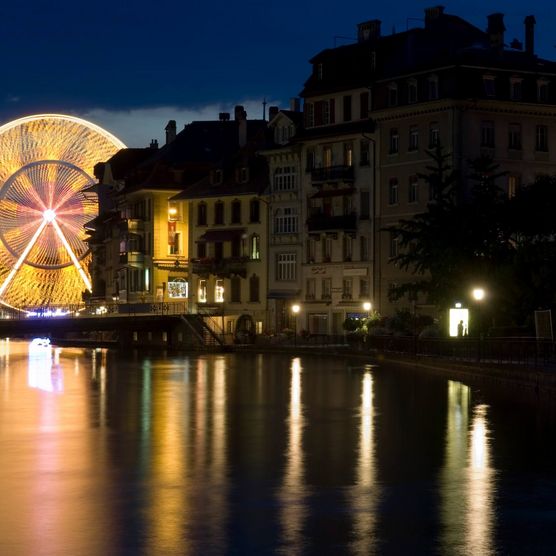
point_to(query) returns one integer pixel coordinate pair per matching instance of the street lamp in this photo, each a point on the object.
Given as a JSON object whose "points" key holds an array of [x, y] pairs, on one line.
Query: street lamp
{"points": [[479, 295], [295, 310], [367, 306]]}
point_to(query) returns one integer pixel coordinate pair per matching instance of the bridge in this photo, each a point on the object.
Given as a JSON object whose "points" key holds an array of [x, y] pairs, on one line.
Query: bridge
{"points": [[166, 325]]}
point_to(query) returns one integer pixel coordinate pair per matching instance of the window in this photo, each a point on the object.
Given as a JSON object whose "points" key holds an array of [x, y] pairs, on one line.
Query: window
{"points": [[310, 160], [202, 291], [326, 249], [173, 240], [364, 159], [363, 248], [514, 136], [542, 90], [393, 191], [242, 175], [347, 248], [326, 285], [236, 212], [319, 70], [489, 86], [286, 220], [516, 87], [254, 211], [412, 91], [235, 289], [324, 112], [219, 291], [394, 245], [364, 205], [433, 87], [309, 109], [286, 267], [413, 190], [285, 178], [255, 247], [310, 288], [434, 135], [219, 212], [347, 288], [363, 288], [393, 95], [487, 134], [218, 250], [216, 177], [394, 140], [513, 185], [311, 250], [254, 289], [201, 250], [364, 105], [347, 108], [541, 138], [201, 214], [348, 154], [327, 157], [413, 138]]}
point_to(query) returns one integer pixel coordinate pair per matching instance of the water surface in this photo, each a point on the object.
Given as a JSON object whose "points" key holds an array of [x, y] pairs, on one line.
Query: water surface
{"points": [[104, 453]]}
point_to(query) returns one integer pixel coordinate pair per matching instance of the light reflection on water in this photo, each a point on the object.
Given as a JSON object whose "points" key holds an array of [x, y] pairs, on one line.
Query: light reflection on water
{"points": [[103, 454]]}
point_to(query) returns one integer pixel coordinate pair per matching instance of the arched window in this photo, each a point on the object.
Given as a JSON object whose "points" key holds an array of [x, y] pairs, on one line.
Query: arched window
{"points": [[219, 212], [254, 211], [254, 289], [255, 247], [202, 214]]}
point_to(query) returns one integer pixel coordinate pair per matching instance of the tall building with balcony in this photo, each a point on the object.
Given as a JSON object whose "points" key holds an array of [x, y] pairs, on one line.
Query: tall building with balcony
{"points": [[373, 108]]}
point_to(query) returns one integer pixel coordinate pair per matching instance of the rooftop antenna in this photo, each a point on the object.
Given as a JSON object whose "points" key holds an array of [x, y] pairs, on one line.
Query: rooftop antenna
{"points": [[264, 109]]}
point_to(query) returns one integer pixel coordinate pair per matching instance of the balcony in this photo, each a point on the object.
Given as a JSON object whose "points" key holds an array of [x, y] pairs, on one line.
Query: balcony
{"points": [[320, 222], [332, 174], [220, 267], [132, 225], [134, 258]]}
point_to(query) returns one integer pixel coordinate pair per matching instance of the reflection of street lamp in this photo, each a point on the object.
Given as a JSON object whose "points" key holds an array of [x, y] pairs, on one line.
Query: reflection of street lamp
{"points": [[295, 310]]}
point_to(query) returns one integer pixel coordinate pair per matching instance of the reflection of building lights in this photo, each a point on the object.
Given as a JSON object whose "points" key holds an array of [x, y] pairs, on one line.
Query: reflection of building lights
{"points": [[47, 313]]}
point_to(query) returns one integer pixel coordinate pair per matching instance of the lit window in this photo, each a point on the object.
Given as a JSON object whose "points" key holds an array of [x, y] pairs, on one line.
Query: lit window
{"points": [[177, 288], [173, 212], [202, 291], [219, 291], [348, 154], [513, 185], [255, 247]]}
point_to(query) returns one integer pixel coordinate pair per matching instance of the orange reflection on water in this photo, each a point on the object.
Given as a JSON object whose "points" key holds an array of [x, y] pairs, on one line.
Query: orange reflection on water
{"points": [[366, 492], [292, 494]]}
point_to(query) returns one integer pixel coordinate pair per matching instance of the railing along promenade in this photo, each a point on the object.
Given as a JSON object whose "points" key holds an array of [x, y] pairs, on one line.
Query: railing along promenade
{"points": [[529, 352]]}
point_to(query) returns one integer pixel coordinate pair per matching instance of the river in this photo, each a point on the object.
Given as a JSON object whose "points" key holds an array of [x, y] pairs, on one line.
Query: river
{"points": [[106, 453]]}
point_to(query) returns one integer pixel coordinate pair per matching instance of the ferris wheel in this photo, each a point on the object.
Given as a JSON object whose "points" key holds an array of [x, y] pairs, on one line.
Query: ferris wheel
{"points": [[46, 166]]}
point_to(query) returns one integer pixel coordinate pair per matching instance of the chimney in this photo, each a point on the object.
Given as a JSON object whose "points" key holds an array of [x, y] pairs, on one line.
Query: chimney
{"points": [[530, 34], [224, 116], [433, 14], [154, 144], [295, 104], [240, 116], [496, 30], [170, 131], [368, 30], [272, 111]]}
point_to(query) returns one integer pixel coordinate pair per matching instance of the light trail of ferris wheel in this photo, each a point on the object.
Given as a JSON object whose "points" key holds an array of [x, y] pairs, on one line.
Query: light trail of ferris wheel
{"points": [[49, 217]]}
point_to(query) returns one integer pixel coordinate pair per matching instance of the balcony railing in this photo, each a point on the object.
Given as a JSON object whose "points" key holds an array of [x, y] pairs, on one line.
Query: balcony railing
{"points": [[132, 257], [320, 222], [220, 267], [132, 225], [332, 173]]}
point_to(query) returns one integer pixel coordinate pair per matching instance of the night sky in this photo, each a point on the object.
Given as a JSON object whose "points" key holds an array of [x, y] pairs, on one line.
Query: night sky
{"points": [[131, 66]]}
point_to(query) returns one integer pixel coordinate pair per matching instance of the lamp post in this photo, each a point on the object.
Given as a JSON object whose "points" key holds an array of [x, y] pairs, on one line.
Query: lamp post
{"points": [[295, 310]]}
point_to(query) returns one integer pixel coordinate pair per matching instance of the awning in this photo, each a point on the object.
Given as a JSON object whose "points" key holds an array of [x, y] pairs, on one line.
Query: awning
{"points": [[333, 193], [227, 234]]}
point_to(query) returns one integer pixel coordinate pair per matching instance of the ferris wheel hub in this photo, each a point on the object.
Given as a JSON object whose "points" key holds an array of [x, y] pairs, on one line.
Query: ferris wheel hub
{"points": [[49, 215]]}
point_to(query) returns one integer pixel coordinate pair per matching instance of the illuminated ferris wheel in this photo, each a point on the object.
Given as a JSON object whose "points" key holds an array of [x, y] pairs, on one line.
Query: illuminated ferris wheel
{"points": [[46, 163]]}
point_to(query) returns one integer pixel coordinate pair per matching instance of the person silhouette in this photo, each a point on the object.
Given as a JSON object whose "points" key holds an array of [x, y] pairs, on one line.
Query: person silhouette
{"points": [[460, 329]]}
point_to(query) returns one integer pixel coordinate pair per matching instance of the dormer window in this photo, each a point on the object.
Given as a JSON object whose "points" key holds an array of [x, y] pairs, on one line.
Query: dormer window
{"points": [[542, 90], [242, 175], [319, 70], [393, 95], [216, 177], [516, 88], [489, 86], [412, 91]]}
